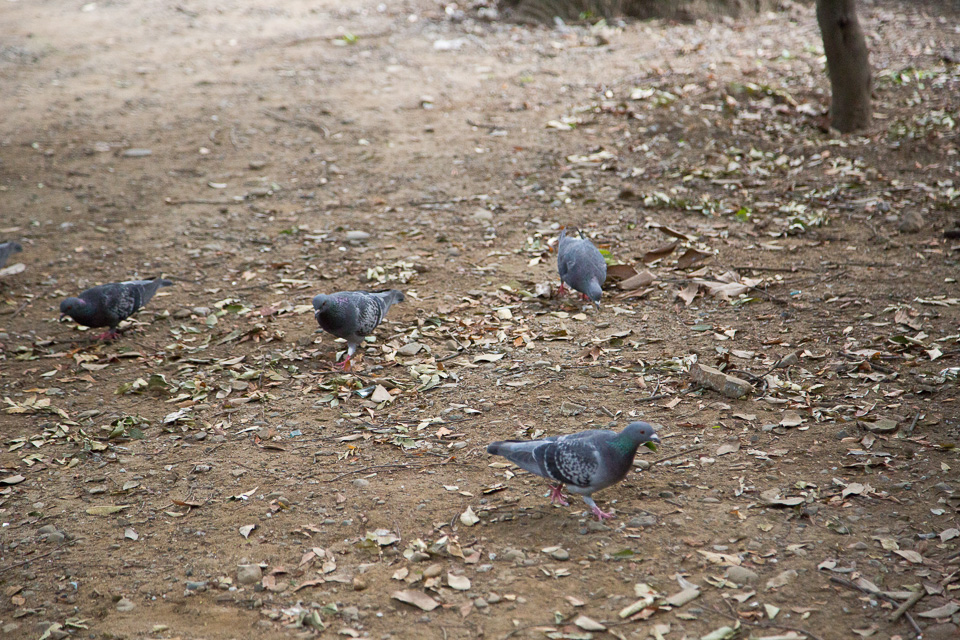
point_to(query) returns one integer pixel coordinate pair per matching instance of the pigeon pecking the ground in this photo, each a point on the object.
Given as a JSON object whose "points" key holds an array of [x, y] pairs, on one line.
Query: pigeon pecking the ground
{"points": [[6, 250], [581, 265], [351, 315], [107, 305], [586, 462]]}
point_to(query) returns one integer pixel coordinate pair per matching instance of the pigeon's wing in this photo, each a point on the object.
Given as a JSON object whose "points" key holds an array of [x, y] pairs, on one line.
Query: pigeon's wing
{"points": [[6, 250], [370, 312], [145, 289], [573, 461]]}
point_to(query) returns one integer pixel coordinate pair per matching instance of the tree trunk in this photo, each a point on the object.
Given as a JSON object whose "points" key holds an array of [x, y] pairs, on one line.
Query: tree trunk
{"points": [[848, 64]]}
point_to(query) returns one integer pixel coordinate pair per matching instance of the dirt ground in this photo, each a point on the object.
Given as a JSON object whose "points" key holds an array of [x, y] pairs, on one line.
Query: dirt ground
{"points": [[260, 153]]}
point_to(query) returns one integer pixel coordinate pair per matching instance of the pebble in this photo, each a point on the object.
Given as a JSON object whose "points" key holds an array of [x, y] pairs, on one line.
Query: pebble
{"points": [[596, 526], [741, 575], [359, 584], [492, 598], [782, 579], [249, 573], [196, 586], [351, 613], [256, 165], [433, 571], [911, 222], [641, 464], [137, 153], [411, 349], [571, 408], [201, 311], [419, 556], [480, 603], [357, 236], [361, 483], [512, 555], [642, 521], [560, 554], [125, 605]]}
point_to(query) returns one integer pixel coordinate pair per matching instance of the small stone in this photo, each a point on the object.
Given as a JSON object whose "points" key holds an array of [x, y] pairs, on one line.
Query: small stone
{"points": [[196, 586], [596, 526], [883, 425], [911, 222], [492, 598], [513, 555], [560, 554], [571, 408], [249, 574], [361, 483], [419, 556], [480, 603], [741, 575], [351, 613], [642, 521], [200, 311], [433, 571], [357, 236], [137, 153], [641, 464], [411, 349], [782, 579], [124, 605], [725, 384], [359, 584], [841, 434]]}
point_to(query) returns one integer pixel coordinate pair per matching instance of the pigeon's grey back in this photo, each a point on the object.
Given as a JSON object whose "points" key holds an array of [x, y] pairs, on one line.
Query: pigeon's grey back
{"points": [[107, 305], [351, 315], [6, 250], [581, 265], [582, 460]]}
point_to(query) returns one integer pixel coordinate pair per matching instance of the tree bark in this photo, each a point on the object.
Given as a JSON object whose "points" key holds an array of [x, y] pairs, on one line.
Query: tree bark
{"points": [[848, 65]]}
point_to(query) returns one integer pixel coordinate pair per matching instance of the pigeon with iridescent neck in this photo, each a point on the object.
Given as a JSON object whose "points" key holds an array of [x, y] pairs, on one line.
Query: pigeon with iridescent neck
{"points": [[107, 305], [581, 266], [352, 315], [586, 462]]}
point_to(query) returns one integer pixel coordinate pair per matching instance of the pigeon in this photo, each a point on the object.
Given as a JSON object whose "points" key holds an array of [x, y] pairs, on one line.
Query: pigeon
{"points": [[587, 461], [581, 265], [351, 315], [6, 250], [107, 305]]}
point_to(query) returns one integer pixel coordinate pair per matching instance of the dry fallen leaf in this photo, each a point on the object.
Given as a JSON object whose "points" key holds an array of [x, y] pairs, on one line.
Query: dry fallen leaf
{"points": [[416, 598]]}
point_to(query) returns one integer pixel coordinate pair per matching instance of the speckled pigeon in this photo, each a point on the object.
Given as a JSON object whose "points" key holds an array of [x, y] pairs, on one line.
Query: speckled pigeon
{"points": [[351, 315], [6, 250], [581, 265], [107, 305], [586, 462]]}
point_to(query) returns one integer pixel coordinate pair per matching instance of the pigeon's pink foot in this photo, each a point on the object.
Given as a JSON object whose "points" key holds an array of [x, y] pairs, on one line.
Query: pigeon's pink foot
{"points": [[562, 289], [112, 334], [556, 495], [584, 297], [601, 515], [343, 365]]}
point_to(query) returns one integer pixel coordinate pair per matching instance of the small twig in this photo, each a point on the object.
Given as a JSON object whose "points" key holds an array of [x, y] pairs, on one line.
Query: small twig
{"points": [[677, 455], [29, 560], [762, 625], [852, 585], [913, 423], [774, 269], [902, 609]]}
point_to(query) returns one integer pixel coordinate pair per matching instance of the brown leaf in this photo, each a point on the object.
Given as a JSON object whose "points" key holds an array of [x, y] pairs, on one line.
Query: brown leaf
{"points": [[690, 257], [637, 281], [667, 230], [688, 293], [660, 252], [620, 272]]}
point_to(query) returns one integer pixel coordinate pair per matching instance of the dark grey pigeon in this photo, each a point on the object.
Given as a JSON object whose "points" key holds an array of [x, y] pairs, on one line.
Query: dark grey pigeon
{"points": [[586, 462], [107, 305], [351, 315], [581, 265], [6, 250]]}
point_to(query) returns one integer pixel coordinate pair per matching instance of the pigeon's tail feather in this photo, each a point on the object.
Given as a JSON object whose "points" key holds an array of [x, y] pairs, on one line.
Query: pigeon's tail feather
{"points": [[520, 452], [148, 288]]}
